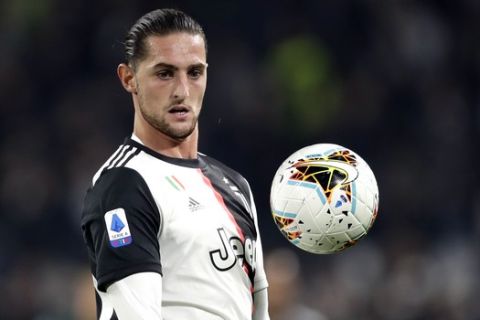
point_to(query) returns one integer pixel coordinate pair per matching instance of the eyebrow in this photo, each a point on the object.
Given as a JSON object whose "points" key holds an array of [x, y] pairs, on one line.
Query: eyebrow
{"points": [[172, 67]]}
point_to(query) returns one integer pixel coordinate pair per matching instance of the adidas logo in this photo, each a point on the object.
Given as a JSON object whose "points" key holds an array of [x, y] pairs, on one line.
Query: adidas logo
{"points": [[194, 205]]}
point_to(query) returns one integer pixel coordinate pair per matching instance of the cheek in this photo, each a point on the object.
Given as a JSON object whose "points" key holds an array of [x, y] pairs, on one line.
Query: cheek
{"points": [[157, 92], [152, 98], [156, 87], [200, 90]]}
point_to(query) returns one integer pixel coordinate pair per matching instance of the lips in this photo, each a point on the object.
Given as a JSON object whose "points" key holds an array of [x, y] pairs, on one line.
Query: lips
{"points": [[180, 113], [179, 109]]}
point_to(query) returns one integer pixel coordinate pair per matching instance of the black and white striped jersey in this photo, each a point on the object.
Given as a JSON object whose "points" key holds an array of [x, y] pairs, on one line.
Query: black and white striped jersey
{"points": [[193, 221]]}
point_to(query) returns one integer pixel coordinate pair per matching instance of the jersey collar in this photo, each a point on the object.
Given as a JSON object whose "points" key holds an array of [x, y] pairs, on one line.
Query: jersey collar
{"points": [[189, 163]]}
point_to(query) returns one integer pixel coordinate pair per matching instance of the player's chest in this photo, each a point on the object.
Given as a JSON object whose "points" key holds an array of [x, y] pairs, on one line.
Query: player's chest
{"points": [[206, 217], [194, 208]]}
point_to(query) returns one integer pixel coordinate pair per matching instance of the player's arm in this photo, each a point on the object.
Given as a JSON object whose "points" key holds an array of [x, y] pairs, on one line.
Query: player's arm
{"points": [[138, 296], [260, 300], [260, 295], [120, 223]]}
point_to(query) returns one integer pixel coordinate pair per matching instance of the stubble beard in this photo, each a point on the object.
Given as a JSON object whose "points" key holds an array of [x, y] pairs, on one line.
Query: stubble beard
{"points": [[164, 127]]}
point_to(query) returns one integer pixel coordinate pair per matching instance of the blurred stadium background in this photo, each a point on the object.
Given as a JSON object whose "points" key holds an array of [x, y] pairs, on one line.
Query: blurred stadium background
{"points": [[396, 81]]}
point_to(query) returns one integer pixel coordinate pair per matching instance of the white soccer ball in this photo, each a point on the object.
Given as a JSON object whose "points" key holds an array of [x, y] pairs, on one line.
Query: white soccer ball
{"points": [[324, 198]]}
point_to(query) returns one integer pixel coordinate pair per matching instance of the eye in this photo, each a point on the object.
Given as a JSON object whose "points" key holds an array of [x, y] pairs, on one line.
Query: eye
{"points": [[164, 74], [195, 73]]}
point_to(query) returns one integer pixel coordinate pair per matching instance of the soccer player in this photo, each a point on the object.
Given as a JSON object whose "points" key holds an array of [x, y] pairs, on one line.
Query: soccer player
{"points": [[171, 233]]}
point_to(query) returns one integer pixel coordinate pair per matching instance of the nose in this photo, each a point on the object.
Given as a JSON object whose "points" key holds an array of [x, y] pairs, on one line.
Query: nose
{"points": [[181, 90]]}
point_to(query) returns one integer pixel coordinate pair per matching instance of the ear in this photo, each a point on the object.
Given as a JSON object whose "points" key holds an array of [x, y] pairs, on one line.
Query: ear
{"points": [[127, 77]]}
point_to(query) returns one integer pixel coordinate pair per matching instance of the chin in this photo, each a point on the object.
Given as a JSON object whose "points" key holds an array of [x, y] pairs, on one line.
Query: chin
{"points": [[179, 134]]}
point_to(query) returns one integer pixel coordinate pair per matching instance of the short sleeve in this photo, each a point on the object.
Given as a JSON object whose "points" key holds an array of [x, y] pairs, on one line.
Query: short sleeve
{"points": [[120, 224]]}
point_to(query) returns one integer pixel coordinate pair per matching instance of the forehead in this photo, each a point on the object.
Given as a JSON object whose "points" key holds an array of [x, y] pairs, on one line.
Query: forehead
{"points": [[178, 49]]}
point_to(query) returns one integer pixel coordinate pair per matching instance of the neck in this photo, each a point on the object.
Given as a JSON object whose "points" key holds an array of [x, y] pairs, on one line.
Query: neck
{"points": [[163, 144]]}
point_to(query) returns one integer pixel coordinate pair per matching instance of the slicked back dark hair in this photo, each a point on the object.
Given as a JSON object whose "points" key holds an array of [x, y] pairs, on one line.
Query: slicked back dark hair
{"points": [[158, 22]]}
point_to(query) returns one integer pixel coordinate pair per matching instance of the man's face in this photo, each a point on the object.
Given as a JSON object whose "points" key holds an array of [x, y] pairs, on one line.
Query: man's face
{"points": [[171, 81]]}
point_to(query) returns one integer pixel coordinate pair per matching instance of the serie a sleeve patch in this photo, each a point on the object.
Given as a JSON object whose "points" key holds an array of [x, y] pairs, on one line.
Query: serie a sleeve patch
{"points": [[117, 227]]}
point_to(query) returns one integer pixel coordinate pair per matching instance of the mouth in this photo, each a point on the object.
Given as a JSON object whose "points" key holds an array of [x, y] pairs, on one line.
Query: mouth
{"points": [[179, 110]]}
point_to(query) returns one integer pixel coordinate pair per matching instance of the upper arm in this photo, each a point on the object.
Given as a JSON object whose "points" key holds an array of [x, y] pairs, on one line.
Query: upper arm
{"points": [[120, 223]]}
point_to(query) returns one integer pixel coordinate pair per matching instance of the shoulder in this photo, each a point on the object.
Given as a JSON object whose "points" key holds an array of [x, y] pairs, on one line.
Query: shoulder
{"points": [[124, 153], [121, 179], [118, 187]]}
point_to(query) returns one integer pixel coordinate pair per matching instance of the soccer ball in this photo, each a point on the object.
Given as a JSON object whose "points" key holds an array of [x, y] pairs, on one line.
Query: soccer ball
{"points": [[324, 198]]}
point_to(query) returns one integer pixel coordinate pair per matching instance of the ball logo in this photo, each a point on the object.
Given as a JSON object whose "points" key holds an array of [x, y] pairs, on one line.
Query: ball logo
{"points": [[233, 251], [350, 173], [337, 169]]}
